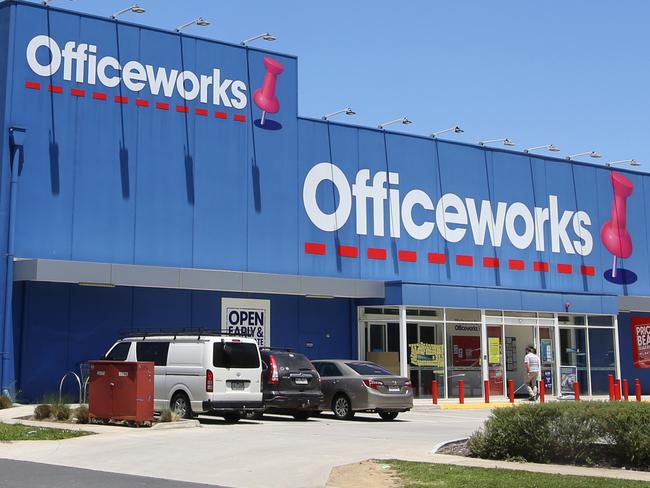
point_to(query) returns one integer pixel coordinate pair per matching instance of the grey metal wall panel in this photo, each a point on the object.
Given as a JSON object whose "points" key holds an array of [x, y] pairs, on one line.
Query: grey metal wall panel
{"points": [[203, 279], [192, 279], [149, 276]]}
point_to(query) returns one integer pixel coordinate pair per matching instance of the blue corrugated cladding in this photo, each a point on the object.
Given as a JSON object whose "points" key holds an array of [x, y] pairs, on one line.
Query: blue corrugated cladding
{"points": [[123, 182], [60, 325]]}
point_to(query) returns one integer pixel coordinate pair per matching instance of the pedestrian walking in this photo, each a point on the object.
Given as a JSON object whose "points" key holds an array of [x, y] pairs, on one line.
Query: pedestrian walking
{"points": [[532, 365]]}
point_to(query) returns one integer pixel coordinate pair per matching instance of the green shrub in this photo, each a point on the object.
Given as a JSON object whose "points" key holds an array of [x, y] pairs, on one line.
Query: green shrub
{"points": [[42, 412], [166, 415], [5, 402], [576, 433], [60, 411], [81, 414]]}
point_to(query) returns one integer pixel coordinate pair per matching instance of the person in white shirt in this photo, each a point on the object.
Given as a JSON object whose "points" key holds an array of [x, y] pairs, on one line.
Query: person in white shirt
{"points": [[532, 364]]}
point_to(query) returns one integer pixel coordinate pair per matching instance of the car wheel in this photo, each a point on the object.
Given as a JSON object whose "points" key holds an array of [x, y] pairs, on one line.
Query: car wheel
{"points": [[342, 407], [231, 418], [302, 416], [181, 406], [388, 415]]}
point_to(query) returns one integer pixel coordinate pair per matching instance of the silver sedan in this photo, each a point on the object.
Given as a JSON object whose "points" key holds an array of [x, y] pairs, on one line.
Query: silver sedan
{"points": [[351, 386]]}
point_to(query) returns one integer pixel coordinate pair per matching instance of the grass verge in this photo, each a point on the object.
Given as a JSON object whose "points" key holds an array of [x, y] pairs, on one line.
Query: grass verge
{"points": [[425, 475], [16, 432]]}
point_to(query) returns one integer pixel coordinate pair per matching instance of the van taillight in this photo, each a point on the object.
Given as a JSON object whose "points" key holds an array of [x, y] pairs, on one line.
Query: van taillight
{"points": [[209, 381], [274, 375]]}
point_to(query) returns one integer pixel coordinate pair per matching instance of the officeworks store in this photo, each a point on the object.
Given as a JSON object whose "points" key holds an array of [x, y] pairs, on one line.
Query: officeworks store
{"points": [[152, 180]]}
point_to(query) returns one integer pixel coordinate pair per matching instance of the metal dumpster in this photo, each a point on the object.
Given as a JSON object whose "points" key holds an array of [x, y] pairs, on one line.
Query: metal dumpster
{"points": [[121, 390]]}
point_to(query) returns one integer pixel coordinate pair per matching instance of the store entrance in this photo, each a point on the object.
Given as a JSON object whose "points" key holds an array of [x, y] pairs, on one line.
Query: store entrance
{"points": [[517, 339], [426, 357]]}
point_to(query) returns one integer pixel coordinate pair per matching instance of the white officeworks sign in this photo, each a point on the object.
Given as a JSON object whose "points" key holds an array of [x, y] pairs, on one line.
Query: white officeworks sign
{"points": [[82, 63], [247, 317]]}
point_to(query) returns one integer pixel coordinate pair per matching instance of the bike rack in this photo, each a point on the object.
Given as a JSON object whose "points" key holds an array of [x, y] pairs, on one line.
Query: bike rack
{"points": [[78, 383]]}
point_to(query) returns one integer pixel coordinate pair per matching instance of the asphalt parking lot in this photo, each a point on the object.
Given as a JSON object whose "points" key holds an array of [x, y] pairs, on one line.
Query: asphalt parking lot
{"points": [[274, 452]]}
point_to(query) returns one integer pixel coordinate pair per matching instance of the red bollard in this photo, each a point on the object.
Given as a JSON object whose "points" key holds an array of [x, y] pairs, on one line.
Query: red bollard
{"points": [[610, 379], [461, 391], [626, 390], [576, 390], [617, 390], [486, 387], [434, 392], [542, 390], [637, 389], [511, 390]]}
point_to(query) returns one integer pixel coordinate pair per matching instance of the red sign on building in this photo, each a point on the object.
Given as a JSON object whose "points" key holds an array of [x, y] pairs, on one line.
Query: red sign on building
{"points": [[641, 342]]}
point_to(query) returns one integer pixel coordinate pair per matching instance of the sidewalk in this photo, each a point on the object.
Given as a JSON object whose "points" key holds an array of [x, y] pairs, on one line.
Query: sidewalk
{"points": [[16, 414], [424, 404]]}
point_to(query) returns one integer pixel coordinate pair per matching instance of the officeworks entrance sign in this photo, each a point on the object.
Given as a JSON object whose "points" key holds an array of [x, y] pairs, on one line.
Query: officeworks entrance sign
{"points": [[247, 317]]}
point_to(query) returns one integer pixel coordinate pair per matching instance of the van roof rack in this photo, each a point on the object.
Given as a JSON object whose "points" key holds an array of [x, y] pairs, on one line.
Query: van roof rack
{"points": [[177, 332]]}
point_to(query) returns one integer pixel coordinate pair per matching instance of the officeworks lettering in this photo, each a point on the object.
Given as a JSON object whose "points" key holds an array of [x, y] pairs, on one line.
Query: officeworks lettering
{"points": [[81, 62], [152, 180], [452, 214]]}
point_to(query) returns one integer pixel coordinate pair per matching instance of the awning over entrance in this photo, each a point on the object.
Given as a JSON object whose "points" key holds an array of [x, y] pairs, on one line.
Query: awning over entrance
{"points": [[109, 274], [421, 294]]}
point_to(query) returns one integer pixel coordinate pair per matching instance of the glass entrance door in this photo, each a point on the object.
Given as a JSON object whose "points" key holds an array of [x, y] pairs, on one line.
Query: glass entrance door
{"points": [[495, 359], [546, 353], [426, 357]]}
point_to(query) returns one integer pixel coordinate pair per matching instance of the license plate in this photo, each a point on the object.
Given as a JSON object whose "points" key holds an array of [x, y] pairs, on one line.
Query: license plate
{"points": [[394, 389], [236, 385], [301, 381]]}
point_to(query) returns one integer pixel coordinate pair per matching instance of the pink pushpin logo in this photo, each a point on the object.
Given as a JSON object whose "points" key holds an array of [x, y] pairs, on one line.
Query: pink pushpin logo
{"points": [[614, 233], [265, 97]]}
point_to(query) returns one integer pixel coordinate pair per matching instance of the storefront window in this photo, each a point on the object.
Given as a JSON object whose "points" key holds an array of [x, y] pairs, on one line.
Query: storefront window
{"points": [[464, 358], [601, 359], [463, 315], [573, 359], [447, 351]]}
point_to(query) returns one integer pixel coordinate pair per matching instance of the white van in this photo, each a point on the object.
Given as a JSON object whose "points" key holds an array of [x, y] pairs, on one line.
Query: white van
{"points": [[198, 373]]}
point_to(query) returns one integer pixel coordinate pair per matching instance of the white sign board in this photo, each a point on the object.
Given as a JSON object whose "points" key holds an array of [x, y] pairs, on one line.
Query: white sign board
{"points": [[248, 318]]}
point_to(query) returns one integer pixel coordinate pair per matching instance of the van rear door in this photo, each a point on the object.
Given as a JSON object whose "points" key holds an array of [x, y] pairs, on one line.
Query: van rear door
{"points": [[237, 370]]}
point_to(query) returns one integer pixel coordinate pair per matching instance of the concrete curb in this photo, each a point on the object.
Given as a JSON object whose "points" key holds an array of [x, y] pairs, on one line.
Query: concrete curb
{"points": [[475, 406], [440, 445], [179, 424]]}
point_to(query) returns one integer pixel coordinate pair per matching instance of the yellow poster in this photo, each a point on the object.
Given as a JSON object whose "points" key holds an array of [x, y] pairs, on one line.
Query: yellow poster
{"points": [[494, 350], [423, 354]]}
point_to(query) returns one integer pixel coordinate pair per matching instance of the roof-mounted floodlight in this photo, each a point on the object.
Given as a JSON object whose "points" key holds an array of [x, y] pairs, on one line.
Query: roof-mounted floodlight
{"points": [[549, 147], [267, 36], [401, 120], [346, 111], [456, 130], [136, 9], [631, 162], [201, 22], [506, 142], [591, 154]]}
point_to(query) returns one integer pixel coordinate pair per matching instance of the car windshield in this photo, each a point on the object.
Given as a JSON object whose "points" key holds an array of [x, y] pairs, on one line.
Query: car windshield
{"points": [[369, 369]]}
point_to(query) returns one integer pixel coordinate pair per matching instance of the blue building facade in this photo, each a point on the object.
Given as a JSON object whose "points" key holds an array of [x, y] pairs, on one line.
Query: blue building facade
{"points": [[146, 176]]}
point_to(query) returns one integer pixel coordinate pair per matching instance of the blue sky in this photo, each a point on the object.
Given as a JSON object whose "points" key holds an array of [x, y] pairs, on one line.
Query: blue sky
{"points": [[572, 73]]}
